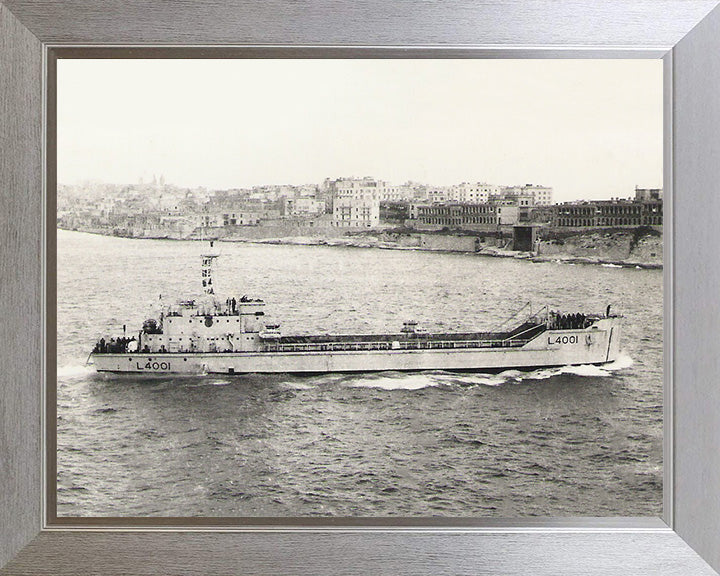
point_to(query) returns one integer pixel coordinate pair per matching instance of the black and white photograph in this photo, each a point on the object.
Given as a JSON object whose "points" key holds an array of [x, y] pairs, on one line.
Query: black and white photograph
{"points": [[399, 288]]}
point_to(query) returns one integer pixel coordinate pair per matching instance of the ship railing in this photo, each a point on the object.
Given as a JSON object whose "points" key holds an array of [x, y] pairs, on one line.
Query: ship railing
{"points": [[393, 345]]}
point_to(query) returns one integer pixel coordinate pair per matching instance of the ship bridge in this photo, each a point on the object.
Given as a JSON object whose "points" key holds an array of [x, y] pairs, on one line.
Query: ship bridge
{"points": [[207, 325]]}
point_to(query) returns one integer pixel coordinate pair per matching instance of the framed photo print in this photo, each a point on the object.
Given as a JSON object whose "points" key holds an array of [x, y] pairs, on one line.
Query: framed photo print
{"points": [[297, 299]]}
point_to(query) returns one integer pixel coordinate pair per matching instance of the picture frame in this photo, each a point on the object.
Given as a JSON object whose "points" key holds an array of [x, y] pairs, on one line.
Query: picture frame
{"points": [[684, 33]]}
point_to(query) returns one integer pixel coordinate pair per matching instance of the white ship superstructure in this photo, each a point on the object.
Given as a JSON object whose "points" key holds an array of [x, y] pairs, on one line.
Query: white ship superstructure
{"points": [[209, 335]]}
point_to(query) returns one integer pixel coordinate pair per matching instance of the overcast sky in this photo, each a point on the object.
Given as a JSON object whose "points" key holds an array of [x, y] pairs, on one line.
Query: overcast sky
{"points": [[588, 128]]}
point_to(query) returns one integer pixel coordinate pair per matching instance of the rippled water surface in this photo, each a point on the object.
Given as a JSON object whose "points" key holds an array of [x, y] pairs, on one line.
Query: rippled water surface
{"points": [[581, 441]]}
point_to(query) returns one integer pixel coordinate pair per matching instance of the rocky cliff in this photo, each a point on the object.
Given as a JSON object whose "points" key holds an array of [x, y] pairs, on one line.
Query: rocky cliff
{"points": [[640, 246]]}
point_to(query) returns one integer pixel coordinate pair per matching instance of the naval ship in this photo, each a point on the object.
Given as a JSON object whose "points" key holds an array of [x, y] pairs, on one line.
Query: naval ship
{"points": [[209, 335]]}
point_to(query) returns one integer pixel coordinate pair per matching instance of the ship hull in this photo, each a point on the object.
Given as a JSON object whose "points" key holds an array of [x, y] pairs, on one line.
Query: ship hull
{"points": [[551, 348]]}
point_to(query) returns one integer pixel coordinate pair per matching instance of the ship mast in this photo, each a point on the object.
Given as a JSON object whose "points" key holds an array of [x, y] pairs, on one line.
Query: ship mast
{"points": [[207, 270]]}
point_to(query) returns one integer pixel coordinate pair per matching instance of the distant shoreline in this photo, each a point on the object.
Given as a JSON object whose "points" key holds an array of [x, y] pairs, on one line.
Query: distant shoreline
{"points": [[372, 241], [492, 253]]}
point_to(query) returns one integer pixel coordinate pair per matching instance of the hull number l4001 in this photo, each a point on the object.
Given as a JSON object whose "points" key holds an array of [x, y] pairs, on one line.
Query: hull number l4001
{"points": [[563, 339]]}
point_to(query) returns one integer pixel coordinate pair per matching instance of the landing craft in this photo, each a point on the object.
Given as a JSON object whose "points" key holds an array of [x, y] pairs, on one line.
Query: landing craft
{"points": [[210, 336]]}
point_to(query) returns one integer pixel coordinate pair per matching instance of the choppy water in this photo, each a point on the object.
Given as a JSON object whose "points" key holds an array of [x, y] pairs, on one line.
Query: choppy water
{"points": [[581, 441]]}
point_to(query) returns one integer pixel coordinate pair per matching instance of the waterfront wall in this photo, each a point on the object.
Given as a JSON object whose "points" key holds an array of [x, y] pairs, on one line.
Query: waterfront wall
{"points": [[642, 246], [268, 232], [442, 242], [449, 243]]}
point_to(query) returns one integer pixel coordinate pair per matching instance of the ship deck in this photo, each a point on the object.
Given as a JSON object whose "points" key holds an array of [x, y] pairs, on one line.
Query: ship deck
{"points": [[406, 341]]}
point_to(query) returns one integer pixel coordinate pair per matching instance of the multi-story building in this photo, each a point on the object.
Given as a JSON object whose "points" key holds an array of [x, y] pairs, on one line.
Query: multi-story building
{"points": [[437, 194], [480, 205], [221, 219], [648, 194], [477, 193], [624, 213], [356, 202], [609, 214], [515, 206], [395, 192], [470, 216], [575, 214], [541, 195]]}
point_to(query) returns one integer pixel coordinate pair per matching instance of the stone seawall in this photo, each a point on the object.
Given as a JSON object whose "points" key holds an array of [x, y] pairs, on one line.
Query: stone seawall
{"points": [[638, 247], [267, 232]]}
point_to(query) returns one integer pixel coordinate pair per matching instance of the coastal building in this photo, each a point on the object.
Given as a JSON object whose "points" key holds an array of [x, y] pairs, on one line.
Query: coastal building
{"points": [[477, 193], [541, 195], [514, 206], [395, 192], [438, 194], [356, 202], [455, 215], [648, 194], [419, 191], [222, 219], [526, 238], [609, 214], [575, 214], [465, 192]]}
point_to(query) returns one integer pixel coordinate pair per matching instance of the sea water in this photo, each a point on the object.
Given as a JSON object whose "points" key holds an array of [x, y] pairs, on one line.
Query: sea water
{"points": [[572, 441]]}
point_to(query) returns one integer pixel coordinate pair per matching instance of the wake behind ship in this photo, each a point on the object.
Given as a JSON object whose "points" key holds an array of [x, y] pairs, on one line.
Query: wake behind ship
{"points": [[210, 336]]}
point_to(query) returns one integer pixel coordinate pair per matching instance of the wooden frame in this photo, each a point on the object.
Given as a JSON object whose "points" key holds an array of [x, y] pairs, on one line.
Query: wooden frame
{"points": [[681, 31]]}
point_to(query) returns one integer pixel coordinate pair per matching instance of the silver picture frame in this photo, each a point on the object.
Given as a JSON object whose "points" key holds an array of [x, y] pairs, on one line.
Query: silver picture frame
{"points": [[684, 33]]}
